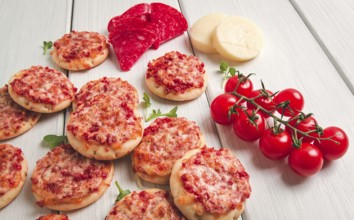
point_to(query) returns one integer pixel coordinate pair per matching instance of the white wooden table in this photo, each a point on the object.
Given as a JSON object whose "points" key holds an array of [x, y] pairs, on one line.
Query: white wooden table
{"points": [[308, 45]]}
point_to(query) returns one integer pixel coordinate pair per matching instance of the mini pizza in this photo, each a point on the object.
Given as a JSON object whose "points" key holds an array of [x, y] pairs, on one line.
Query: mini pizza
{"points": [[176, 76], [95, 90], [164, 142], [105, 124], [80, 50], [147, 204], [65, 180], [53, 217], [14, 119], [41, 89], [13, 173], [210, 184]]}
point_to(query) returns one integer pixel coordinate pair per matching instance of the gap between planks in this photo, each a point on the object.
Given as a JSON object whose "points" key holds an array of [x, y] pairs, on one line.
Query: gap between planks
{"points": [[323, 46]]}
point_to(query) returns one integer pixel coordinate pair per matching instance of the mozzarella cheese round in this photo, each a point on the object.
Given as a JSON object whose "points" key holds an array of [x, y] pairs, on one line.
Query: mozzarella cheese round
{"points": [[237, 38], [201, 33]]}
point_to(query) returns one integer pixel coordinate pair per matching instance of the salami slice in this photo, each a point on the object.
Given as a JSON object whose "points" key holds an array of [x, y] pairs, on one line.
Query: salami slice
{"points": [[171, 22], [134, 23], [155, 21], [129, 45], [139, 11]]}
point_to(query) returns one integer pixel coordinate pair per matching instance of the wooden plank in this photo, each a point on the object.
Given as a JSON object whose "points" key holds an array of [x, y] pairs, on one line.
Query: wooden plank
{"points": [[25, 25], [331, 22], [94, 16], [291, 58]]}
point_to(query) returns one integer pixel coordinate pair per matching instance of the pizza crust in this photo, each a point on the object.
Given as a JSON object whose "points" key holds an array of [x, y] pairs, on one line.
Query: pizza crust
{"points": [[187, 204], [103, 152], [31, 118], [163, 208], [105, 123], [64, 180], [91, 198], [189, 94], [176, 76], [37, 106], [27, 125], [80, 64], [53, 217], [13, 193], [80, 50], [150, 171]]}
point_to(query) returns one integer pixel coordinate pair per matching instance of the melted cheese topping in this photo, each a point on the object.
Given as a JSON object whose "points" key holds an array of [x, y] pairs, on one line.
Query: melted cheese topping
{"points": [[10, 167], [63, 175], [95, 90], [216, 179], [145, 205], [43, 85], [177, 72], [165, 141], [77, 45], [12, 116], [106, 113]]}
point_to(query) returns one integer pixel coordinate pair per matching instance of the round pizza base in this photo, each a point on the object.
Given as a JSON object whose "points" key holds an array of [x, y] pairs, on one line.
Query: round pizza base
{"points": [[82, 63], [189, 94], [30, 120], [33, 106], [103, 152], [137, 215], [13, 193], [186, 203], [25, 126], [93, 197], [159, 179]]}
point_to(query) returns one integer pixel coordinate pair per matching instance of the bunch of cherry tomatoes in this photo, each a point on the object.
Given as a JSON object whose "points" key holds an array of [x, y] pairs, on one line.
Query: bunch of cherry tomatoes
{"points": [[294, 134]]}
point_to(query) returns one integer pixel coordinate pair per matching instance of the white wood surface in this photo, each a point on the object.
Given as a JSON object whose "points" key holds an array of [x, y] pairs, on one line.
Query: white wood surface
{"points": [[24, 26], [292, 57], [332, 23]]}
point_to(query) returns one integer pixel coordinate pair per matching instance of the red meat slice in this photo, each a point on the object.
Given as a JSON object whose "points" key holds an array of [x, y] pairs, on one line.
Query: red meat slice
{"points": [[132, 23], [171, 22], [141, 11], [141, 27], [129, 45]]}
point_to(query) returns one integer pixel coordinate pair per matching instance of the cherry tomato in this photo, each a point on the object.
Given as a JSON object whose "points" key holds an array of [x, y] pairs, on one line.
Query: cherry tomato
{"points": [[307, 160], [275, 146], [265, 102], [220, 107], [295, 98], [330, 149], [245, 88], [245, 129], [305, 125]]}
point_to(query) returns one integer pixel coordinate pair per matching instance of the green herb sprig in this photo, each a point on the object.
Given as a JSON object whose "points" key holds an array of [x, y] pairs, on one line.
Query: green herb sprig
{"points": [[122, 192], [46, 46], [156, 113], [53, 140]]}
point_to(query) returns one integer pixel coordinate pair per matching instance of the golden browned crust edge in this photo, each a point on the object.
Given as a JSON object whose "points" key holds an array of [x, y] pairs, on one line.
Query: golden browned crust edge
{"points": [[82, 63], [31, 119], [33, 106], [13, 193], [189, 94], [185, 201], [93, 197], [159, 179], [103, 152]]}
